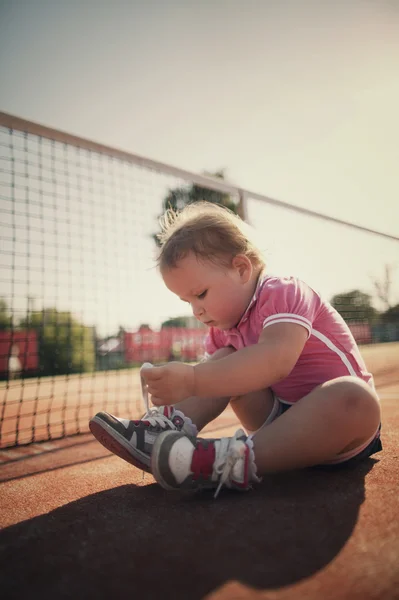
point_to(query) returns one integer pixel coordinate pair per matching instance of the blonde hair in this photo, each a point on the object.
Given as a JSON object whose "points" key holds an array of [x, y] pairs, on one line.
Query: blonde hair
{"points": [[211, 232]]}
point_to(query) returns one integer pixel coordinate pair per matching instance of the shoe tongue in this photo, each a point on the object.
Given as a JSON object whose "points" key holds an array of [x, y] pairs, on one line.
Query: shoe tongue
{"points": [[167, 411]]}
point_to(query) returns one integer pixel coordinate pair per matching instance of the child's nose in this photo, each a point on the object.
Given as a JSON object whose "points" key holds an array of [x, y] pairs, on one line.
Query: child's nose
{"points": [[197, 310]]}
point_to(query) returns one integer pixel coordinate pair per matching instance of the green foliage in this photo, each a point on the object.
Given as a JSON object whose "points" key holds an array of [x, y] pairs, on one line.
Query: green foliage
{"points": [[178, 198], [391, 315], [176, 322], [355, 306], [5, 317], [65, 345]]}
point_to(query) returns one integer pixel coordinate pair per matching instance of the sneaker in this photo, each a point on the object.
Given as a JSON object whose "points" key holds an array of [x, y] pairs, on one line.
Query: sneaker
{"points": [[134, 440], [186, 463]]}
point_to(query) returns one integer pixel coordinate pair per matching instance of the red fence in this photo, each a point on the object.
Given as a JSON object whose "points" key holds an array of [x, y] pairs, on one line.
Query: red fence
{"points": [[361, 332], [18, 352], [188, 344], [168, 344], [19, 349]]}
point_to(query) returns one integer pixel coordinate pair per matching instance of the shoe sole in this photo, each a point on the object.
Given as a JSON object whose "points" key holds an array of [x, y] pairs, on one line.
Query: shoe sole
{"points": [[117, 445]]}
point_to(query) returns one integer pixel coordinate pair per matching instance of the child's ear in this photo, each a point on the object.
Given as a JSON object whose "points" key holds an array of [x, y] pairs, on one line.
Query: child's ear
{"points": [[243, 266]]}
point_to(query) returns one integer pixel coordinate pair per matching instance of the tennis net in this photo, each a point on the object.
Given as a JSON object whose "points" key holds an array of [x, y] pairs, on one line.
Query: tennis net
{"points": [[81, 304]]}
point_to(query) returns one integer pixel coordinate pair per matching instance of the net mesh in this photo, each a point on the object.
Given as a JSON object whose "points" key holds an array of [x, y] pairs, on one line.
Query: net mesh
{"points": [[81, 300]]}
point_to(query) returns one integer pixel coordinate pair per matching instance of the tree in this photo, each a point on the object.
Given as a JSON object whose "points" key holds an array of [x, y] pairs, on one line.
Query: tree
{"points": [[5, 316], [355, 306], [65, 345], [178, 198], [383, 286], [175, 322], [391, 315]]}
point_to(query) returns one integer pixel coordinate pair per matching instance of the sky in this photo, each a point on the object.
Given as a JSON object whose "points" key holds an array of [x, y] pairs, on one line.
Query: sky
{"points": [[295, 99]]}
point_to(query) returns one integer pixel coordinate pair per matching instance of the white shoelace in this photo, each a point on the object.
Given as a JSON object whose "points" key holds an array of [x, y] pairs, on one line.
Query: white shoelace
{"points": [[229, 452], [144, 388], [152, 415]]}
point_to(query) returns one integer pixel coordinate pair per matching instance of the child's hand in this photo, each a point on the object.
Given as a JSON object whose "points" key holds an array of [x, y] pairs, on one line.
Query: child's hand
{"points": [[172, 382]]}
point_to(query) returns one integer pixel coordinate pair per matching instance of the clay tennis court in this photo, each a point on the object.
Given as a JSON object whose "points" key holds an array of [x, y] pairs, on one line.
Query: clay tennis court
{"points": [[79, 522]]}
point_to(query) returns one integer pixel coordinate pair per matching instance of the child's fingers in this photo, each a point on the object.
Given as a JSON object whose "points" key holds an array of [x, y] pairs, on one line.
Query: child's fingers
{"points": [[157, 401], [151, 373], [151, 388]]}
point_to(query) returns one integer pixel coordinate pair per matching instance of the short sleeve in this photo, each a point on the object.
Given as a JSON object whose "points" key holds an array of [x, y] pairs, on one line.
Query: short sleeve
{"points": [[214, 341], [288, 300]]}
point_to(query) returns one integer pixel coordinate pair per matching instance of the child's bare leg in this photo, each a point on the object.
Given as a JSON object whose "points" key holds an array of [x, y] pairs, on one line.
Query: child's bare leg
{"points": [[204, 410], [252, 409], [334, 418]]}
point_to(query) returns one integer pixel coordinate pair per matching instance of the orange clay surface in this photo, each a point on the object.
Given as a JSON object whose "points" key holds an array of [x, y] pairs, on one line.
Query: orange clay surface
{"points": [[78, 522]]}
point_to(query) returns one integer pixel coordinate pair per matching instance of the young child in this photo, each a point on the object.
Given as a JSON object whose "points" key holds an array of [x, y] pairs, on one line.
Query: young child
{"points": [[282, 357]]}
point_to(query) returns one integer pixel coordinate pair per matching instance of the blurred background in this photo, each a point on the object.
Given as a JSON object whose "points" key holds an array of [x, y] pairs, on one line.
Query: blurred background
{"points": [[112, 111]]}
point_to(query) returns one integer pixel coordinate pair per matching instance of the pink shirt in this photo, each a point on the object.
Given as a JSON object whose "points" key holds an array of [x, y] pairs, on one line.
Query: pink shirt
{"points": [[330, 350]]}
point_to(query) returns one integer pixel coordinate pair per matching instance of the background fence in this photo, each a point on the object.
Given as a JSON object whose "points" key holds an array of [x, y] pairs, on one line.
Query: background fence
{"points": [[78, 281]]}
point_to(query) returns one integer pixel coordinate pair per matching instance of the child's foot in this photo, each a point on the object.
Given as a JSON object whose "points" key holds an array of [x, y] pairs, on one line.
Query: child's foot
{"points": [[181, 462], [134, 440]]}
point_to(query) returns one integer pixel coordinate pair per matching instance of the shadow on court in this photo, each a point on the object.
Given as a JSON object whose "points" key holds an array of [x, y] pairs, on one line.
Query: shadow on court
{"points": [[143, 542]]}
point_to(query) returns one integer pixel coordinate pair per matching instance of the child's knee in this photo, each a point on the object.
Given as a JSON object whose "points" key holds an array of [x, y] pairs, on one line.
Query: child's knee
{"points": [[355, 399], [364, 401]]}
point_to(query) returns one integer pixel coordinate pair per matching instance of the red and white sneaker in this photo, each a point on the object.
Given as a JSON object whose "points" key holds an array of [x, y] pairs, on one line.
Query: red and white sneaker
{"points": [[182, 462], [134, 440]]}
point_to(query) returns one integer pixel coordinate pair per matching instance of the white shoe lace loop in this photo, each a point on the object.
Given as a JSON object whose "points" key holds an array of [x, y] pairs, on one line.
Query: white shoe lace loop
{"points": [[153, 415], [144, 388], [229, 452]]}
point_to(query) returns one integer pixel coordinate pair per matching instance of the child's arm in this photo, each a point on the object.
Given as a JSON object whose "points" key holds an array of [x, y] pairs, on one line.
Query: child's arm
{"points": [[255, 367], [252, 368]]}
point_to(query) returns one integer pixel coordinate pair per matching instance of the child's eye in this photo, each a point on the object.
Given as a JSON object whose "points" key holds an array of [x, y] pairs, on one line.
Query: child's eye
{"points": [[201, 296]]}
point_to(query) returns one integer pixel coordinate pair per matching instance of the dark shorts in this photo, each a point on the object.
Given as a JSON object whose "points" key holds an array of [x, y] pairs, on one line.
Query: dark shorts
{"points": [[374, 447]]}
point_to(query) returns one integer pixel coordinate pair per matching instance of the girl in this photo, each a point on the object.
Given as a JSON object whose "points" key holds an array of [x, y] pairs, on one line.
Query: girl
{"points": [[282, 356]]}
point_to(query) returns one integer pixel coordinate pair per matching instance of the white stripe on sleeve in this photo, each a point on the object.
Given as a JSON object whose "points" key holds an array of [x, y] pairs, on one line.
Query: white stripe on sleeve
{"points": [[288, 318], [334, 348]]}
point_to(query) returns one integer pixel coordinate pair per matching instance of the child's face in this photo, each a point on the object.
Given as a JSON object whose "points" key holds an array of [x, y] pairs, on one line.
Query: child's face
{"points": [[218, 296]]}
